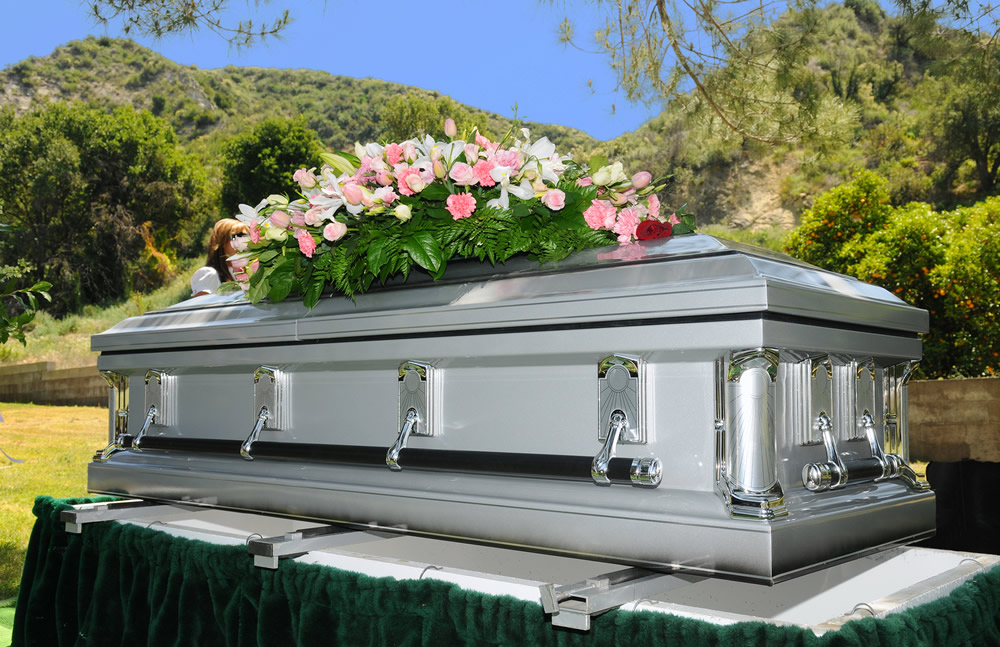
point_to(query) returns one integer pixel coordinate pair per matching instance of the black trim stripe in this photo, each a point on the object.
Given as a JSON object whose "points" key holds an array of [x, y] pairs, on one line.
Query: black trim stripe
{"points": [[576, 468], [623, 323]]}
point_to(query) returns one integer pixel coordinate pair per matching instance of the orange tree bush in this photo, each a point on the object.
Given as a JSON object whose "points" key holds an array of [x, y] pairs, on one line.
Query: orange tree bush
{"points": [[842, 215], [945, 262]]}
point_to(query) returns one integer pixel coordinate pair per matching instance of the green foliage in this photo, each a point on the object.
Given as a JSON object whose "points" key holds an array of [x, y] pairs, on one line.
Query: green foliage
{"points": [[87, 188], [18, 306], [838, 217], [261, 161], [405, 116]]}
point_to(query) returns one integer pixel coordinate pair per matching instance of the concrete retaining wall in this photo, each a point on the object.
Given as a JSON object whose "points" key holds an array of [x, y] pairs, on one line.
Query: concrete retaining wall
{"points": [[43, 383], [955, 420]]}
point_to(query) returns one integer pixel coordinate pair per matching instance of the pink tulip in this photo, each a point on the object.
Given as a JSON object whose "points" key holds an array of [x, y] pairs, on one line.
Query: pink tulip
{"points": [[280, 220], [353, 194], [450, 129], [642, 179]]}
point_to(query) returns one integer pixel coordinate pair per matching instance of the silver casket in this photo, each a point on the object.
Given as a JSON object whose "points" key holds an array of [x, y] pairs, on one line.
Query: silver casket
{"points": [[689, 404]]}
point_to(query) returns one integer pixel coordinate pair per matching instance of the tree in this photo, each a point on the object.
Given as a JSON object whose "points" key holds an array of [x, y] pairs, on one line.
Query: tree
{"points": [[740, 67], [89, 188], [159, 18], [965, 119], [261, 161]]}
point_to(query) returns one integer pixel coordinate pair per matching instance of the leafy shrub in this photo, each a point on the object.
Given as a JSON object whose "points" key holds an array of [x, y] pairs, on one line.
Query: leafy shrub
{"points": [[261, 161], [967, 297], [853, 210]]}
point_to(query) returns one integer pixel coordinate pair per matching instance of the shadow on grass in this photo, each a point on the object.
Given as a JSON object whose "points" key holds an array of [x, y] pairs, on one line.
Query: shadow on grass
{"points": [[11, 564]]}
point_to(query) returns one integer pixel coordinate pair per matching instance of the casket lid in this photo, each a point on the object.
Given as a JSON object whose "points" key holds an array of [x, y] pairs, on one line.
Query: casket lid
{"points": [[685, 277]]}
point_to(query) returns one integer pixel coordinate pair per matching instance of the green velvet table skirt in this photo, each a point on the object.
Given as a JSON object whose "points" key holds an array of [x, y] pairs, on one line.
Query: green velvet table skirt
{"points": [[122, 584]]}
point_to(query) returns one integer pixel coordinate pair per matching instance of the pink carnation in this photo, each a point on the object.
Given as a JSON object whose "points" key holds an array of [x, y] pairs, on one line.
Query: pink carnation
{"points": [[394, 154], [306, 243], [625, 226], [482, 170], [481, 141], [600, 215], [255, 233], [461, 205], [508, 158], [654, 207]]}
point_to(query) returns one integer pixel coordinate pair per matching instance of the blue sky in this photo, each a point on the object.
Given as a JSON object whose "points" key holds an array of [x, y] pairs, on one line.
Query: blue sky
{"points": [[484, 53]]}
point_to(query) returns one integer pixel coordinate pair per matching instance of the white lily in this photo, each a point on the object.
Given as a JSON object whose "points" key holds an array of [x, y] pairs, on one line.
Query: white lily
{"points": [[250, 216], [502, 175], [451, 151]]}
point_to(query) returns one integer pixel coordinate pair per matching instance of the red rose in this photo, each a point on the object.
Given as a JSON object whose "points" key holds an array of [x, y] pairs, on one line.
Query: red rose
{"points": [[650, 229]]}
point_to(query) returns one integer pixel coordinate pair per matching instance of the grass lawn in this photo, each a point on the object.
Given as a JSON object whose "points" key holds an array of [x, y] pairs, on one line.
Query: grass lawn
{"points": [[56, 444]]}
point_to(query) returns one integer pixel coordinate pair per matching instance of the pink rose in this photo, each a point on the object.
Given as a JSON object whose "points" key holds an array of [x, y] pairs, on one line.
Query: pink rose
{"points": [[334, 231], [307, 245], [384, 178], [508, 158], [600, 215], [402, 175], [482, 170], [353, 194], [654, 207], [254, 266], [584, 181], [554, 199], [280, 220], [627, 223], [298, 218], [415, 182], [463, 174], [314, 217], [461, 205], [385, 194], [450, 129], [409, 151], [674, 220], [305, 178], [642, 179], [394, 154]]}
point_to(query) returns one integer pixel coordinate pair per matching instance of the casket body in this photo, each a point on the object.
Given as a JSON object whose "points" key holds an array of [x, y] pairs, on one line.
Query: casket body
{"points": [[686, 404]]}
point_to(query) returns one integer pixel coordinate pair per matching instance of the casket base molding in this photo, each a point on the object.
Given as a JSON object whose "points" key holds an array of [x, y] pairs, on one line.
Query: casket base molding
{"points": [[620, 524]]}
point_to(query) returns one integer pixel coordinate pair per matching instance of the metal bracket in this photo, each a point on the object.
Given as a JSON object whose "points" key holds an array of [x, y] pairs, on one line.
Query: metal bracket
{"points": [[247, 447], [267, 551], [621, 387], [573, 605], [159, 392], [418, 391], [85, 513], [599, 466], [271, 390]]}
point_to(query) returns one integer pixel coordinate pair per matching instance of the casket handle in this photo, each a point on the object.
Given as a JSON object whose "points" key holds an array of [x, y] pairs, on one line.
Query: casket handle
{"points": [[392, 456], [119, 443], [255, 434], [599, 467], [150, 419]]}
